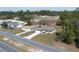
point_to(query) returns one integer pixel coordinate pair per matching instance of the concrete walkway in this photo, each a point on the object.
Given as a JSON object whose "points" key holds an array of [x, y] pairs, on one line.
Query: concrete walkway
{"points": [[32, 35], [25, 31]]}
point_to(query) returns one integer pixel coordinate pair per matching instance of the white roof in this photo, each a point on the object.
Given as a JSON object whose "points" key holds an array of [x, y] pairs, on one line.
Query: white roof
{"points": [[1, 21], [11, 20], [15, 21]]}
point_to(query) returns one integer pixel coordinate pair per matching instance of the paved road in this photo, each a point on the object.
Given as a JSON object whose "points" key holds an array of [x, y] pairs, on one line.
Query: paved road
{"points": [[31, 42], [2, 50], [4, 47]]}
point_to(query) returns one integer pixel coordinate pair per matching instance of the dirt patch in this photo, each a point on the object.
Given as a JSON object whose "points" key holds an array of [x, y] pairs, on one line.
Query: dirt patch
{"points": [[69, 48]]}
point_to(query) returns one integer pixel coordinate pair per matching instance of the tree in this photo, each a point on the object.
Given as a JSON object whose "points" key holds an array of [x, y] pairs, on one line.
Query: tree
{"points": [[29, 22], [4, 25], [66, 21], [29, 19]]}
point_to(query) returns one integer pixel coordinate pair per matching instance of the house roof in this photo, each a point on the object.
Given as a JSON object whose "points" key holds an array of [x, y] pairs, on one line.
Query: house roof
{"points": [[12, 23], [47, 28]]}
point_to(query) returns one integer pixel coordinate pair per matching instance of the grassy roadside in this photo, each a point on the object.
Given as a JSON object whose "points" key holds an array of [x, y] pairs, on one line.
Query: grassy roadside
{"points": [[15, 31], [1, 37], [23, 47], [45, 38], [26, 34]]}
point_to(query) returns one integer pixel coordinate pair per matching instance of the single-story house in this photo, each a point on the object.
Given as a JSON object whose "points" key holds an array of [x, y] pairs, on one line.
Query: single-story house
{"points": [[44, 29], [24, 23], [14, 24]]}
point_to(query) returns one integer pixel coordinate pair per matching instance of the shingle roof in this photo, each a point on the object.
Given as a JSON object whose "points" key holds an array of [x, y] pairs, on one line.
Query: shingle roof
{"points": [[47, 28]]}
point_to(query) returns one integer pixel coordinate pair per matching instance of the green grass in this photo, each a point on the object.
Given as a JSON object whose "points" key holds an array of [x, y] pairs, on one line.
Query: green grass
{"points": [[59, 28], [45, 38], [28, 33], [15, 31]]}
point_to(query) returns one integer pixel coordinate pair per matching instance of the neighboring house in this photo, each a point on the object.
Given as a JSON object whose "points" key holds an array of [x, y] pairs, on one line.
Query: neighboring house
{"points": [[11, 20], [1, 21], [45, 29], [14, 24]]}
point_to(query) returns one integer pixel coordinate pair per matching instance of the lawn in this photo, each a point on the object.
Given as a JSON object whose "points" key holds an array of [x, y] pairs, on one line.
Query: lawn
{"points": [[45, 38], [15, 31], [58, 28], [26, 34]]}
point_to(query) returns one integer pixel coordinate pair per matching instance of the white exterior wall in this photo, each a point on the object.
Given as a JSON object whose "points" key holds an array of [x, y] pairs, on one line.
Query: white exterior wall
{"points": [[11, 26], [19, 26], [37, 31]]}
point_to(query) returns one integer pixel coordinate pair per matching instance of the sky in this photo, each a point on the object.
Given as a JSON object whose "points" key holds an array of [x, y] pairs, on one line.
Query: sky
{"points": [[37, 8]]}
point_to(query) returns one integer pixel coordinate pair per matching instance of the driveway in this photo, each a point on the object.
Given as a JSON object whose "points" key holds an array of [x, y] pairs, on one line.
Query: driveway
{"points": [[25, 30], [32, 35]]}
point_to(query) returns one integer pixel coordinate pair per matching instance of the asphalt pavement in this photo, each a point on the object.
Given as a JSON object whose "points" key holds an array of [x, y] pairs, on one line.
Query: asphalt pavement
{"points": [[4, 47], [2, 50], [33, 43]]}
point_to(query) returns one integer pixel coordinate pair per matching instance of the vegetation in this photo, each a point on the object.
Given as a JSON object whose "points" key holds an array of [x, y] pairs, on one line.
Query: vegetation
{"points": [[24, 15], [15, 31], [26, 34], [69, 20], [45, 38], [4, 25]]}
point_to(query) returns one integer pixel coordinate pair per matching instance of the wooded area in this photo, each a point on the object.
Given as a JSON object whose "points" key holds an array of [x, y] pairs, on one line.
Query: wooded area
{"points": [[69, 20]]}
